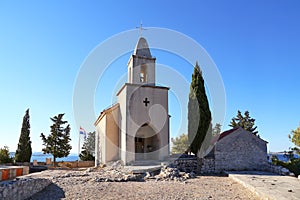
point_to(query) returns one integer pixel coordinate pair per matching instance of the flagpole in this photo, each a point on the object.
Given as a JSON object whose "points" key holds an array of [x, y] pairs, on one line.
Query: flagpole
{"points": [[78, 147]]}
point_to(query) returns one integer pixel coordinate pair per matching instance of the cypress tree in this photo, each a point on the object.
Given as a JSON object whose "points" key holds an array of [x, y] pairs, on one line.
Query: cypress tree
{"points": [[199, 116], [24, 151]]}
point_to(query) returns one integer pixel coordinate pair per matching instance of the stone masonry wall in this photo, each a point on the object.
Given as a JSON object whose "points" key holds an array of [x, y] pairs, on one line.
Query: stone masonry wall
{"points": [[187, 164], [207, 166], [22, 188], [241, 152]]}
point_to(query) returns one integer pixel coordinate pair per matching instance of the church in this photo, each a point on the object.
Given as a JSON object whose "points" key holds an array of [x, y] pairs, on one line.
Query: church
{"points": [[136, 128]]}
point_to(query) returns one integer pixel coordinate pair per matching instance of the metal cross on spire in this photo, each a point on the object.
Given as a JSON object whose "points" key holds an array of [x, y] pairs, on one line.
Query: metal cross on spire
{"points": [[141, 28]]}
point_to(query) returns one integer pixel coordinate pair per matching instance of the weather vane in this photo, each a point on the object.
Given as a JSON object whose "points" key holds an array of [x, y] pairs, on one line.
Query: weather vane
{"points": [[141, 29]]}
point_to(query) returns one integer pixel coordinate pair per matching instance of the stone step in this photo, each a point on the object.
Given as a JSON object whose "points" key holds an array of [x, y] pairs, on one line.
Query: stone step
{"points": [[146, 162]]}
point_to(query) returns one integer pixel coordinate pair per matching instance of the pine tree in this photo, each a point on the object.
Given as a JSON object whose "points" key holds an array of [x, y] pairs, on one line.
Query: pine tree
{"points": [[245, 122], [199, 116], [217, 129], [24, 151], [4, 156], [57, 143], [88, 147], [295, 138], [180, 144]]}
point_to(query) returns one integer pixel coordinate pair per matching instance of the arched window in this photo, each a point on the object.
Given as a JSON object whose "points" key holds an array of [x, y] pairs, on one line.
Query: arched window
{"points": [[143, 75]]}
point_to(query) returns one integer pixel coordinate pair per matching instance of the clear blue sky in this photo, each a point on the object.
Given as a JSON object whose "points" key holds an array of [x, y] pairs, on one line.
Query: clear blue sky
{"points": [[255, 46]]}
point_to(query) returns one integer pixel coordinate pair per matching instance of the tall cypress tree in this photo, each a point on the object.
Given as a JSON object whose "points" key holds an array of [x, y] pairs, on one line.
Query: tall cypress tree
{"points": [[24, 151], [199, 116]]}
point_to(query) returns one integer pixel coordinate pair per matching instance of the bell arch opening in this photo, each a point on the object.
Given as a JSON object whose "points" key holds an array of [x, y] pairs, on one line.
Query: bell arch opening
{"points": [[147, 143]]}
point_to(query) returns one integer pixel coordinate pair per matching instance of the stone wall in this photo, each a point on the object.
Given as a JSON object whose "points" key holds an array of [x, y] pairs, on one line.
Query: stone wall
{"points": [[207, 165], [187, 164], [240, 151], [76, 164], [22, 188]]}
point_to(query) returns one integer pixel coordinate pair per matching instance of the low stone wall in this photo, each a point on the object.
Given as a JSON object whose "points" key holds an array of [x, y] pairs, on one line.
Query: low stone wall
{"points": [[11, 172], [207, 166], [76, 164], [22, 188], [187, 164]]}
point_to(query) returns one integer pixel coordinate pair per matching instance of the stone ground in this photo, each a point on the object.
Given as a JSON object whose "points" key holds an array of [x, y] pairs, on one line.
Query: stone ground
{"points": [[84, 185], [269, 186]]}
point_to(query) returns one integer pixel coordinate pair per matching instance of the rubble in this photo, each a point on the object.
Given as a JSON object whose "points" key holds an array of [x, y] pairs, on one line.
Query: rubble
{"points": [[170, 173]]}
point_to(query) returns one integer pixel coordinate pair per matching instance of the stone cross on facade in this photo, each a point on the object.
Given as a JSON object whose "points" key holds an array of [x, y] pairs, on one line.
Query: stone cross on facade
{"points": [[146, 101]]}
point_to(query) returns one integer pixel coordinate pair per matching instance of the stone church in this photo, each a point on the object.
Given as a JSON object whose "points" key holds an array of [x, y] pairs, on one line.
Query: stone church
{"points": [[136, 127]]}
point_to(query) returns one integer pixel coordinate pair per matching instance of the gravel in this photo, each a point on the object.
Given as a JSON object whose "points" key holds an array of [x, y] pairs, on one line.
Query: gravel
{"points": [[71, 184]]}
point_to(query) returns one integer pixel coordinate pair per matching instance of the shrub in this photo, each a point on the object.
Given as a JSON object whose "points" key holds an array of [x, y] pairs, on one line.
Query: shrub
{"points": [[4, 155], [293, 165]]}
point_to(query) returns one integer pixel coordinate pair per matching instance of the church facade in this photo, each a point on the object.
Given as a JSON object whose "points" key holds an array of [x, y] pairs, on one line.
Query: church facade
{"points": [[136, 127]]}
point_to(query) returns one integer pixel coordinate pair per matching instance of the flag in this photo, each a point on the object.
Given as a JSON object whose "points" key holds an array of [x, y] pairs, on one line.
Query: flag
{"points": [[82, 132]]}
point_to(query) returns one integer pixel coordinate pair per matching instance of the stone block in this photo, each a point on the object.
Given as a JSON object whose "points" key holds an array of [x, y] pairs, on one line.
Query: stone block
{"points": [[48, 161], [35, 163]]}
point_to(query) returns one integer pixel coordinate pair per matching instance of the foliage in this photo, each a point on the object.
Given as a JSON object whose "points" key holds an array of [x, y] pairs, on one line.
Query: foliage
{"points": [[199, 116], [86, 156], [4, 155], [88, 151], [180, 144], [295, 138], [245, 122], [293, 165], [24, 151], [57, 143], [216, 130]]}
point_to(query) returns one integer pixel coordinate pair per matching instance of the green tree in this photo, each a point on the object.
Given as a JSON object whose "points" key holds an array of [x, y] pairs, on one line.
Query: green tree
{"points": [[24, 151], [180, 144], [293, 165], [57, 142], [88, 152], [245, 122], [4, 155], [295, 138], [199, 116]]}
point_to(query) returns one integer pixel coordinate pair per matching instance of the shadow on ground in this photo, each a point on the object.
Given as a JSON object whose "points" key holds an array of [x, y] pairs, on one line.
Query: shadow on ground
{"points": [[51, 192]]}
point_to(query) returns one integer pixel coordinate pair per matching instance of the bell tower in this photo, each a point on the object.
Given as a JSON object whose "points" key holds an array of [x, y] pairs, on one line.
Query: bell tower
{"points": [[141, 65]]}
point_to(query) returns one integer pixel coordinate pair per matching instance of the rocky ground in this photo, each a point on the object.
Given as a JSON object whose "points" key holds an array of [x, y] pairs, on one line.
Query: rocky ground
{"points": [[116, 183]]}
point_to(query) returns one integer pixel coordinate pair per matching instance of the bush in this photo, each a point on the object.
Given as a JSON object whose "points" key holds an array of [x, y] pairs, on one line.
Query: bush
{"points": [[293, 165], [4, 155], [86, 156]]}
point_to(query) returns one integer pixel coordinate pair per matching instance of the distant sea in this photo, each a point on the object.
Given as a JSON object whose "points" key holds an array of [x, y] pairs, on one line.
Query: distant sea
{"points": [[281, 156], [40, 157]]}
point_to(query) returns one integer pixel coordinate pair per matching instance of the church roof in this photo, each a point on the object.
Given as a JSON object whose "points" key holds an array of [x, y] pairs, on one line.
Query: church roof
{"points": [[105, 111], [142, 48], [228, 132]]}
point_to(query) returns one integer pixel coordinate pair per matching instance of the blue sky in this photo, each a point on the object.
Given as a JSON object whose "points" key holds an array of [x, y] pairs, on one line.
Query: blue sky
{"points": [[255, 46]]}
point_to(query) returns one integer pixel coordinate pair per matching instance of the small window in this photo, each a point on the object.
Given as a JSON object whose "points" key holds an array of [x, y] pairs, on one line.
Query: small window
{"points": [[129, 75]]}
